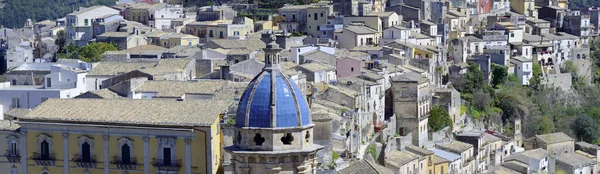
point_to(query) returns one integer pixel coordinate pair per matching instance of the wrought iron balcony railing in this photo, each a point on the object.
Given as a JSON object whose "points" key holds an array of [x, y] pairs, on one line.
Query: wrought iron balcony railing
{"points": [[124, 164], [12, 156], [89, 162], [40, 159], [166, 165]]}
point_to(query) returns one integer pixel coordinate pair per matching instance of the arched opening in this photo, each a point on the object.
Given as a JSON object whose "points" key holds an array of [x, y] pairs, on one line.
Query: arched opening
{"points": [[85, 152], [287, 139], [578, 56], [307, 137], [45, 150], [13, 148], [125, 154], [259, 140]]}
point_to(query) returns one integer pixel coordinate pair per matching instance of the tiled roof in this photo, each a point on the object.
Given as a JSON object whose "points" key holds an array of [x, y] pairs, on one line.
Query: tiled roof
{"points": [[537, 154], [239, 51], [439, 160], [161, 67], [365, 167], [418, 150], [124, 111], [8, 125], [410, 77], [574, 160], [456, 146], [248, 44], [360, 29], [102, 93], [502, 170], [17, 112], [315, 67], [557, 137], [147, 50], [382, 14], [165, 88], [320, 56], [445, 154], [85, 10], [399, 158], [115, 34]]}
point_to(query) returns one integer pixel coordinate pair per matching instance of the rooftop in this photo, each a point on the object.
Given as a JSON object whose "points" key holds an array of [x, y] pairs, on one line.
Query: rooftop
{"points": [[537, 154], [130, 112], [418, 150], [439, 160], [248, 44], [365, 167], [574, 160], [360, 29], [557, 137], [102, 93], [154, 68], [445, 154], [456, 146], [382, 14], [114, 34], [410, 77], [316, 67], [8, 125], [180, 88], [399, 158]]}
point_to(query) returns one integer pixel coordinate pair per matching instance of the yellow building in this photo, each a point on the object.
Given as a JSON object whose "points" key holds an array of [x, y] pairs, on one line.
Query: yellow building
{"points": [[123, 136], [426, 165], [220, 29], [524, 7], [175, 39], [9, 143], [441, 165]]}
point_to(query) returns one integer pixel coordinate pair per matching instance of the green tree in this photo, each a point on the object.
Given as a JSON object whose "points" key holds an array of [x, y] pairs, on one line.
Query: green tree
{"points": [[474, 79], [546, 125], [93, 51], [15, 13], [499, 75], [439, 118], [536, 78], [61, 41], [586, 128]]}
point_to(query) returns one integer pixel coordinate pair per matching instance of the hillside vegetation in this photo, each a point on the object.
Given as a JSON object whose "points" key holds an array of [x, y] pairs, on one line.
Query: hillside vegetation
{"points": [[15, 13]]}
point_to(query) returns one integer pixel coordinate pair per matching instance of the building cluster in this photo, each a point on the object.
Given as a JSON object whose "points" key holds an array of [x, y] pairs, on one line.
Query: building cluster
{"points": [[342, 86]]}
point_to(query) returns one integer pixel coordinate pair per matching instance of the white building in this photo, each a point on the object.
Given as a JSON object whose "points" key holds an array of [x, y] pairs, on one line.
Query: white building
{"points": [[523, 69], [536, 159], [80, 27], [164, 16], [356, 35], [62, 82], [297, 51], [394, 33], [19, 55]]}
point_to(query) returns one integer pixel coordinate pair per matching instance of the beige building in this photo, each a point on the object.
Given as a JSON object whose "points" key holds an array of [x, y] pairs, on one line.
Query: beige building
{"points": [[412, 103], [388, 19], [123, 40], [555, 143], [357, 35], [402, 162], [220, 29], [465, 151], [317, 15]]}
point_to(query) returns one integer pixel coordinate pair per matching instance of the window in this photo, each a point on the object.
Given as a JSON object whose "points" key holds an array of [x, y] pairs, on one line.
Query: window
{"points": [[85, 145], [324, 32], [315, 17], [45, 144], [166, 150], [321, 14], [351, 69], [14, 170], [126, 147], [189, 43], [236, 33], [287, 139], [210, 34], [85, 22], [221, 34], [49, 82], [318, 28], [16, 103], [512, 34]]}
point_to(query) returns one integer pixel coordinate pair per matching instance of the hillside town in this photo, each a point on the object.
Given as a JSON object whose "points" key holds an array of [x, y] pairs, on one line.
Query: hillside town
{"points": [[326, 87]]}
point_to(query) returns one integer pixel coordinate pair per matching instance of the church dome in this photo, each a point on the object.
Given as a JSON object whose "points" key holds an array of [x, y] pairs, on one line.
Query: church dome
{"points": [[271, 100]]}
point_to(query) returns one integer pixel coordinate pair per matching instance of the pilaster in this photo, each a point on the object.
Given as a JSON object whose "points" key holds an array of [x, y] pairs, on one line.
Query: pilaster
{"points": [[23, 152], [66, 152], [146, 156], [188, 152], [106, 164]]}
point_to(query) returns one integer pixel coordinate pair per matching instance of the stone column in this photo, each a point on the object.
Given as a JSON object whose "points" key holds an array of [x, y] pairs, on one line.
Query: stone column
{"points": [[188, 152], [146, 157], [24, 152], [66, 152], [106, 157]]}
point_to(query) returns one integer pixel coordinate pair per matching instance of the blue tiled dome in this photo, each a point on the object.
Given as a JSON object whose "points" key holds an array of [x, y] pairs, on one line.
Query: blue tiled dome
{"points": [[258, 108]]}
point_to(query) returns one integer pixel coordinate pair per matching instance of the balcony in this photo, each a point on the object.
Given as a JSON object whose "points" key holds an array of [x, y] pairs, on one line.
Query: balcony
{"points": [[124, 165], [43, 160], [166, 165], [90, 162], [12, 156]]}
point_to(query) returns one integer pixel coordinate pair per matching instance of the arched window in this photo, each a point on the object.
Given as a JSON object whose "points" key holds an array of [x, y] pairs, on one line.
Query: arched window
{"points": [[45, 144], [86, 146], [125, 154]]}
